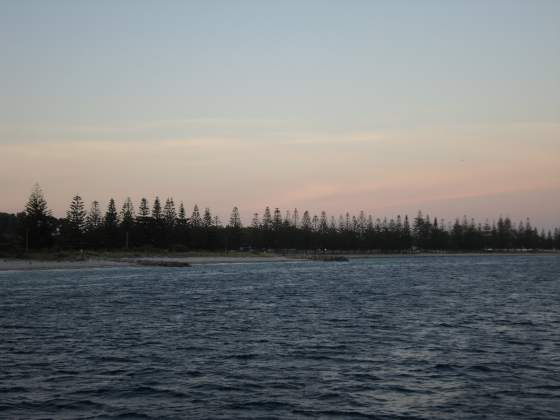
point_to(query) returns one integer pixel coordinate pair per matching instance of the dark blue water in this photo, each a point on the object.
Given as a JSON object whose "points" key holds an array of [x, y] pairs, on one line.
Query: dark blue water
{"points": [[434, 337]]}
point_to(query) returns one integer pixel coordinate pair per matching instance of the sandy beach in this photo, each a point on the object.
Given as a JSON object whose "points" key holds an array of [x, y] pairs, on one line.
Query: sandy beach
{"points": [[20, 264], [8, 264]]}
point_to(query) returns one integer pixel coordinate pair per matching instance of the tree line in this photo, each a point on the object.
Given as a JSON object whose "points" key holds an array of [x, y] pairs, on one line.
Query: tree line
{"points": [[165, 225]]}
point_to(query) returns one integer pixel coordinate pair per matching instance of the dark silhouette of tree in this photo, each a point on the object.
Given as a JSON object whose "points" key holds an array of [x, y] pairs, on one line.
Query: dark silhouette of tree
{"points": [[277, 219], [39, 224], [207, 218], [76, 215], [306, 221], [169, 213], [127, 214], [267, 219], [73, 227], [287, 219], [233, 235], [235, 219], [196, 221], [143, 224], [169, 229], [111, 226], [181, 232], [209, 229], [10, 240], [157, 229], [197, 234], [127, 218], [94, 223], [255, 223], [93, 218], [143, 212], [157, 215], [182, 217]]}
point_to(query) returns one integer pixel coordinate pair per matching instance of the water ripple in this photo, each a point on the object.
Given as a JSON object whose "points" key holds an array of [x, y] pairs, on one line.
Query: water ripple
{"points": [[394, 338]]}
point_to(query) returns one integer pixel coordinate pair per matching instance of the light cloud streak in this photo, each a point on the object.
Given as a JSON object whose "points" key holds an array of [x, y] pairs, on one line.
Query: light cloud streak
{"points": [[377, 171]]}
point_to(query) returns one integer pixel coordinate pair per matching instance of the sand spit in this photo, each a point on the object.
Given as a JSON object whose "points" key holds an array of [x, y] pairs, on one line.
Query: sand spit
{"points": [[206, 260], [23, 264], [19, 264]]}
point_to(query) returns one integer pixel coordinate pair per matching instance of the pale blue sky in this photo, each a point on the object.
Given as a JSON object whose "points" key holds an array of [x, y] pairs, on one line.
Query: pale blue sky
{"points": [[274, 73], [352, 65]]}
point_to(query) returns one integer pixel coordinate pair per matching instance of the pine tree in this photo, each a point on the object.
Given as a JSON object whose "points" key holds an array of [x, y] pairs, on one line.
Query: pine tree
{"points": [[38, 224], [235, 219], [36, 206], [143, 212], [127, 214], [315, 223], [143, 234], [76, 215], [169, 213], [406, 234], [255, 223], [207, 218], [93, 219], [287, 219], [110, 225], [277, 219], [111, 218], [341, 226], [196, 221], [361, 224], [306, 221], [267, 219], [182, 218], [323, 224], [296, 218], [156, 211], [93, 225]]}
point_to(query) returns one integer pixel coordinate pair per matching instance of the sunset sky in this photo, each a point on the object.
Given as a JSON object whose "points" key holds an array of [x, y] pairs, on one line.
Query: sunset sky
{"points": [[452, 107]]}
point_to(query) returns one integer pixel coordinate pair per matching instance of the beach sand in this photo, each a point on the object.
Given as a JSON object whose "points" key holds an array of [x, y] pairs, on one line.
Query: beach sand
{"points": [[8, 264], [22, 264]]}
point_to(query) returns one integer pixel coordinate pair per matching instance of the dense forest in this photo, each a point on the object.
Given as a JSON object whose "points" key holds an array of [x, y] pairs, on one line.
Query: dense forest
{"points": [[167, 226]]}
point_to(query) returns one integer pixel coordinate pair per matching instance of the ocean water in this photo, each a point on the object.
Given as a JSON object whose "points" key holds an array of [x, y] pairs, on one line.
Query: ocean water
{"points": [[387, 338]]}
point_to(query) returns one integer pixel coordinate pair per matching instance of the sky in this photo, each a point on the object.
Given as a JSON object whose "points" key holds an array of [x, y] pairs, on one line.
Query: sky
{"points": [[449, 107]]}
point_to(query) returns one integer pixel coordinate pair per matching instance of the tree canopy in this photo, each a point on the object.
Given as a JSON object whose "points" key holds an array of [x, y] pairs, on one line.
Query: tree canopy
{"points": [[165, 227]]}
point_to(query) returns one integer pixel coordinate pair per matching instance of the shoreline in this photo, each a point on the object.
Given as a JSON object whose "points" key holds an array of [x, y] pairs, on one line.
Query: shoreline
{"points": [[30, 264], [7, 264]]}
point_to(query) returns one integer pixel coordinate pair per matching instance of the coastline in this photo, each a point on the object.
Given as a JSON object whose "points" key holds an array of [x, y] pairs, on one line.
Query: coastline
{"points": [[13, 264], [9, 264]]}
